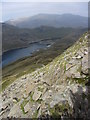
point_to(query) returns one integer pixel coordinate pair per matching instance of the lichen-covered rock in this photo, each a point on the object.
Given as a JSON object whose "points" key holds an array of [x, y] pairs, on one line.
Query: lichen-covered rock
{"points": [[59, 89], [36, 95], [15, 111], [85, 65], [27, 107], [29, 87]]}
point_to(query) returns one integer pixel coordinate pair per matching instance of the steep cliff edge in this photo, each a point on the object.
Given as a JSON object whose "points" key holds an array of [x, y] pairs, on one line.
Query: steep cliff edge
{"points": [[57, 90]]}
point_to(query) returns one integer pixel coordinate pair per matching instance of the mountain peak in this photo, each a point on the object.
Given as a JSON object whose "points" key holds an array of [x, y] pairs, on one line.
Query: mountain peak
{"points": [[54, 20]]}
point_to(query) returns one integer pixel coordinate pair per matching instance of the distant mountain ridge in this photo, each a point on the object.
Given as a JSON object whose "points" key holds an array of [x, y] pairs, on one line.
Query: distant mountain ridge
{"points": [[54, 20]]}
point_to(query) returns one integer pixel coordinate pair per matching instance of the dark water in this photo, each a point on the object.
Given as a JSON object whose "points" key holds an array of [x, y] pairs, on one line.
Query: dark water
{"points": [[13, 55]]}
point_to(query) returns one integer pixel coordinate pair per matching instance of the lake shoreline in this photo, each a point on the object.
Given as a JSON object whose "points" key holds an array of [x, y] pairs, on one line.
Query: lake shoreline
{"points": [[42, 40], [25, 52]]}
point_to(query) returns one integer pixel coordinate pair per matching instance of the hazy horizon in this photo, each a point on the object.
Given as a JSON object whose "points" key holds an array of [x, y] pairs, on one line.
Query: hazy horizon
{"points": [[12, 10], [38, 14]]}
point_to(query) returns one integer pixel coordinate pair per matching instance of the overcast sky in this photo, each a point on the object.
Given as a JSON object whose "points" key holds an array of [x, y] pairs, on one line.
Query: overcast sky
{"points": [[45, 0], [14, 10]]}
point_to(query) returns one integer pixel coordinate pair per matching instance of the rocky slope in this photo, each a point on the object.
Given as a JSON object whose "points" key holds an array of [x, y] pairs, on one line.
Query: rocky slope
{"points": [[57, 90]]}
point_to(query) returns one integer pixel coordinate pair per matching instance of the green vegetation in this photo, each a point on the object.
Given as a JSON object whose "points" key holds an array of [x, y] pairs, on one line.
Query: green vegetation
{"points": [[23, 104], [38, 59], [35, 115], [40, 89], [82, 81], [31, 95], [58, 109], [39, 101], [23, 37]]}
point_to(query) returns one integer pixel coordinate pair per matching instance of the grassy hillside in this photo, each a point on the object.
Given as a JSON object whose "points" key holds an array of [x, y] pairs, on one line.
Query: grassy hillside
{"points": [[13, 37], [37, 60], [58, 90]]}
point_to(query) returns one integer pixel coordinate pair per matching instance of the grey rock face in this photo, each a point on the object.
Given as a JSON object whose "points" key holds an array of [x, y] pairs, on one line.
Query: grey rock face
{"points": [[36, 95], [85, 65], [58, 88], [15, 111], [27, 107]]}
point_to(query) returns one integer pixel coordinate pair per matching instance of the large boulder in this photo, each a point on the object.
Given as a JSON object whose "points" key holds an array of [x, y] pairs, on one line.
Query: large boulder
{"points": [[85, 65], [36, 95], [27, 107], [15, 111], [30, 87]]}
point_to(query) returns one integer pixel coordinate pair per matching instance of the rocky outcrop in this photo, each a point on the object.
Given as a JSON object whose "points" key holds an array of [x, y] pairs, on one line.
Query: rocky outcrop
{"points": [[57, 90]]}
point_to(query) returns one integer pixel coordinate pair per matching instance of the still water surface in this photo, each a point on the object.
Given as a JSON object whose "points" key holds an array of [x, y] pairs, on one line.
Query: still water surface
{"points": [[13, 55]]}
